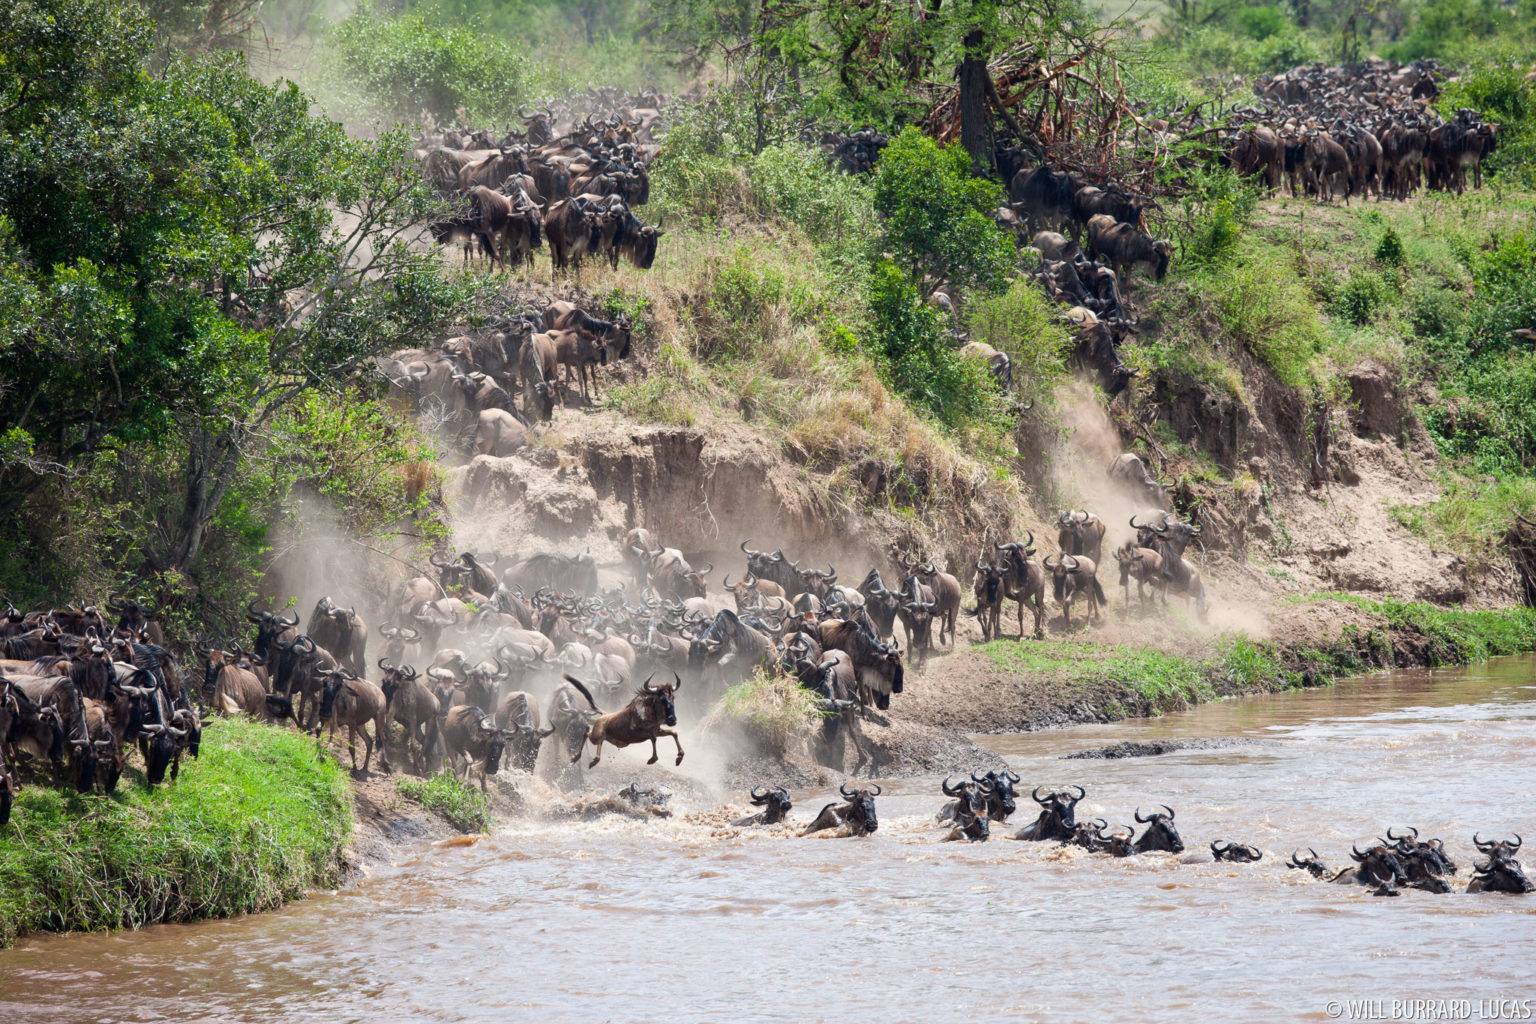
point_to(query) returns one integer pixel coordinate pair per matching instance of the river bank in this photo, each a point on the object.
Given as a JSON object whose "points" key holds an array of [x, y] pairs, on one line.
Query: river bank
{"points": [[256, 821]]}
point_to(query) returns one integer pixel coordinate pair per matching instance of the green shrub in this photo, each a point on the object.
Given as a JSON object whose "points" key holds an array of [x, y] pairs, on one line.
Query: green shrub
{"points": [[1215, 209], [1264, 305], [1389, 251], [393, 67], [775, 712], [1361, 298], [1023, 323], [460, 805], [1502, 93], [938, 225]]}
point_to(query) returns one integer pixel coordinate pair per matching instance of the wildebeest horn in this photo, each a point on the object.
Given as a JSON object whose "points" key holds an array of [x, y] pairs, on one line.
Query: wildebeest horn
{"points": [[843, 789], [876, 792], [1070, 561], [757, 796], [1036, 797], [1410, 833], [1354, 852], [1139, 818], [677, 682], [977, 778], [1134, 524], [646, 686], [1031, 541], [950, 790], [385, 665], [1081, 792]]}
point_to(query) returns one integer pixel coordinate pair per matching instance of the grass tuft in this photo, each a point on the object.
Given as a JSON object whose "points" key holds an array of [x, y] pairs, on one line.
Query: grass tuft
{"points": [[465, 808]]}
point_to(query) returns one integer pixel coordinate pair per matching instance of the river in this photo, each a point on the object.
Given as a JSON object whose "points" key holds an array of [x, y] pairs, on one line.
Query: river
{"points": [[662, 920]]}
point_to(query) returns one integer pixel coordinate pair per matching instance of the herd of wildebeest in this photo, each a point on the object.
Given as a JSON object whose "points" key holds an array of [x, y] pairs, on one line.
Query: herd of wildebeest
{"points": [[974, 803], [522, 654]]}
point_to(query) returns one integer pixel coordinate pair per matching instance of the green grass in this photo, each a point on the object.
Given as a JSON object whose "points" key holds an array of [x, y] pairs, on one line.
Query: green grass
{"points": [[774, 712], [1472, 515], [1457, 636], [256, 821], [462, 806]]}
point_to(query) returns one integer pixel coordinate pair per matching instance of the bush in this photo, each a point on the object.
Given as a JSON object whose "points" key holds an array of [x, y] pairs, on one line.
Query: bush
{"points": [[1264, 305], [1389, 251], [1359, 301], [1023, 323], [775, 712], [938, 218], [391, 68], [1215, 209]]}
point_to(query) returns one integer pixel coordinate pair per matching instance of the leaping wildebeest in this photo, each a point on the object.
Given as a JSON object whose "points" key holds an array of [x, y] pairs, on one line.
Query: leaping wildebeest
{"points": [[645, 717]]}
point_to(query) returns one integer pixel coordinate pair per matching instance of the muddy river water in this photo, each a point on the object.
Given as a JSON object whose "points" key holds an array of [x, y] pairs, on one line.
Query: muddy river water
{"points": [[664, 920]]}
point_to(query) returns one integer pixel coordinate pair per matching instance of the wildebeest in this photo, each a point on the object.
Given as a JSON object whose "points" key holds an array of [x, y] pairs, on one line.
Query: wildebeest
{"points": [[645, 717], [537, 365], [1146, 567], [1161, 833], [856, 813], [1023, 580], [876, 665], [989, 599], [340, 631], [355, 703], [1072, 575], [1500, 872], [518, 716], [411, 702], [468, 733], [1310, 863], [775, 805], [1046, 194], [1376, 866], [498, 434], [1224, 850], [1056, 819], [1079, 532], [1126, 247], [968, 810]]}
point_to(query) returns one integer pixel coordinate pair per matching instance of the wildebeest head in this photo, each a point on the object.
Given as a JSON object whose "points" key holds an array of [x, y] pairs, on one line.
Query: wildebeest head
{"points": [[1000, 802], [1161, 833], [1071, 535], [661, 698], [495, 741], [269, 626], [1310, 863], [1118, 843], [1235, 853], [859, 812], [774, 802], [1378, 866], [1501, 872], [972, 796], [525, 740], [331, 680], [1057, 815]]}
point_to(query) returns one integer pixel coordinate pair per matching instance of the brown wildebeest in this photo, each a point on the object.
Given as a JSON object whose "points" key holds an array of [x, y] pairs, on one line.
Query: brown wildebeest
{"points": [[468, 733], [640, 720], [537, 364], [989, 599], [1073, 575], [1126, 247], [498, 434], [1023, 580], [412, 703], [857, 812], [353, 702]]}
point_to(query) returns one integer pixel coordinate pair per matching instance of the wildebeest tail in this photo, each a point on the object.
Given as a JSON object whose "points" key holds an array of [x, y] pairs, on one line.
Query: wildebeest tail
{"points": [[1098, 591], [582, 687]]}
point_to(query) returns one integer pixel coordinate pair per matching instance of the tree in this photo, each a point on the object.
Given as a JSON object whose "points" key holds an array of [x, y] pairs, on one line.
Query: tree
{"points": [[937, 217], [183, 255]]}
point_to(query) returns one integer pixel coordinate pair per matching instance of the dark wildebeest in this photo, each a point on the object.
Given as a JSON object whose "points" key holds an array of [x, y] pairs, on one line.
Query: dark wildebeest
{"points": [[774, 803], [1146, 567], [645, 717], [499, 434], [1501, 872], [1169, 537], [989, 599], [876, 665], [1223, 850], [518, 716], [946, 596], [1378, 866], [1046, 195], [1057, 818], [538, 365], [1023, 580], [353, 702], [138, 616], [468, 733], [856, 813], [1125, 247], [1161, 834], [1079, 532], [1131, 472], [1310, 863], [968, 810], [340, 631], [1092, 201], [411, 702], [1072, 575]]}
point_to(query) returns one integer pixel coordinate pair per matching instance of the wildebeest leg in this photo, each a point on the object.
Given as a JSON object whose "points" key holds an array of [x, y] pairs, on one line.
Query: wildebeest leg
{"points": [[668, 732], [599, 755]]}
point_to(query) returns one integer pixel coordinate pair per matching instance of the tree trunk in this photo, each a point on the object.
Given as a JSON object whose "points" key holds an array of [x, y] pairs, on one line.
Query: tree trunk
{"points": [[975, 117]]}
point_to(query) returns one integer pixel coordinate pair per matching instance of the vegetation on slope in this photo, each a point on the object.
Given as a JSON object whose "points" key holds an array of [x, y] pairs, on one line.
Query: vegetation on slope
{"points": [[256, 821]]}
